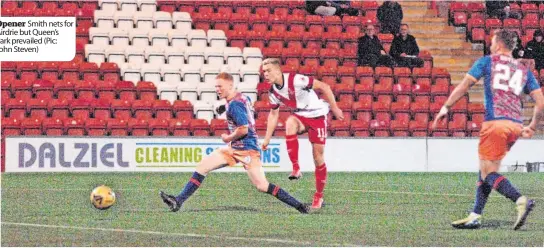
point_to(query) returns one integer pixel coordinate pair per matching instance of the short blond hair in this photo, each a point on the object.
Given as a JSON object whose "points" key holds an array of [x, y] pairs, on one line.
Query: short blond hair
{"points": [[271, 61]]}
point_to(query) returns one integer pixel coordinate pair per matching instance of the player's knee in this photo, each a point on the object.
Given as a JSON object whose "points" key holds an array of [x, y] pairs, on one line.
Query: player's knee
{"points": [[291, 126]]}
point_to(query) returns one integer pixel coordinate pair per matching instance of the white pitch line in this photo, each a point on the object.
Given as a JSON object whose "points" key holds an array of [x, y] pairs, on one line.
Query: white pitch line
{"points": [[333, 190], [193, 235]]}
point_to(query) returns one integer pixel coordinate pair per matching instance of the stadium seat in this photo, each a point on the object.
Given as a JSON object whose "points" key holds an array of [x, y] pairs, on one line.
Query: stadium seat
{"points": [[117, 127], [138, 127], [22, 89], [42, 89], [199, 128], [96, 127], [74, 126], [37, 108], [53, 127], [142, 109], [218, 127], [102, 108], [32, 126], [159, 127]]}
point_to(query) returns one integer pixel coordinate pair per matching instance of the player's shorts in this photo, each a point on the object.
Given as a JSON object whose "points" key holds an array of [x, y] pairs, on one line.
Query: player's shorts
{"points": [[247, 158], [497, 137], [316, 128]]}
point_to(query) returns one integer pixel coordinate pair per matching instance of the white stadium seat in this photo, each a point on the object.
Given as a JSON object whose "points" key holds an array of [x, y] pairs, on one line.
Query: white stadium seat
{"points": [[151, 73], [159, 37], [191, 73], [147, 5], [175, 56], [197, 38], [182, 20], [124, 19], [119, 37], [178, 38], [162, 20], [143, 20], [195, 56], [108, 5], [209, 73], [116, 54], [99, 36], [128, 5], [104, 18], [214, 56], [95, 53], [139, 37], [135, 55], [155, 55], [171, 74], [234, 57], [217, 38], [253, 55], [131, 72], [207, 93]]}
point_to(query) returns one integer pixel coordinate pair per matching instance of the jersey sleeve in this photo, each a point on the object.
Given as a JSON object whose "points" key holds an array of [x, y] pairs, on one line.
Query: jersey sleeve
{"points": [[303, 82], [479, 67], [238, 112], [531, 84]]}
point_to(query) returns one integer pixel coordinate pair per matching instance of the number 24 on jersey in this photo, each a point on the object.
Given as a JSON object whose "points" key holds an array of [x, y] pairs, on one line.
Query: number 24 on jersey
{"points": [[503, 75]]}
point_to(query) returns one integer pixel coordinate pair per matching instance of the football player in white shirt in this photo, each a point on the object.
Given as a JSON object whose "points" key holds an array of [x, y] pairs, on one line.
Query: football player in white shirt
{"points": [[310, 115]]}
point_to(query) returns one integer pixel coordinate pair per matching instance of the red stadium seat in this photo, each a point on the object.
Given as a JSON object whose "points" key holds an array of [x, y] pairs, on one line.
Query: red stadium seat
{"points": [[218, 126], [106, 90], [146, 91], [32, 126], [102, 109], [64, 89], [199, 127], [53, 126], [183, 109], [138, 127], [121, 109], [384, 86], [16, 108], [159, 127], [22, 89], [11, 127], [117, 127], [37, 108], [126, 90], [74, 126], [43, 89], [162, 109], [360, 128], [529, 8], [142, 109], [96, 127]]}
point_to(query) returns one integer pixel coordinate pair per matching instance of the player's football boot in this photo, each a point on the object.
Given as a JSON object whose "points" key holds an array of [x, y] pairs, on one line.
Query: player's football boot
{"points": [[317, 203], [171, 201], [524, 207], [295, 175], [303, 208], [470, 222]]}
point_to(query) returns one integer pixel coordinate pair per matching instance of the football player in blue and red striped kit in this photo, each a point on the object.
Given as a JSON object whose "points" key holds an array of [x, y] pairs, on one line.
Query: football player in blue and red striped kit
{"points": [[505, 79], [242, 148]]}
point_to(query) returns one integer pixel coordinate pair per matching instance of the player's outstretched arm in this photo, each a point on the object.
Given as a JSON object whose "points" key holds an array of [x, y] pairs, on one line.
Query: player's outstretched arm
{"points": [[273, 117], [457, 93], [329, 97], [538, 115]]}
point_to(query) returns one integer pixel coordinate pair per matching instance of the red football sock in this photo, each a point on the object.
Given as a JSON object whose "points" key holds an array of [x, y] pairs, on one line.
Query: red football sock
{"points": [[320, 179], [292, 149]]}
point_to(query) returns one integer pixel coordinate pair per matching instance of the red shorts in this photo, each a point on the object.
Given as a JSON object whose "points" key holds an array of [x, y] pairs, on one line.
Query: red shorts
{"points": [[497, 137], [316, 128]]}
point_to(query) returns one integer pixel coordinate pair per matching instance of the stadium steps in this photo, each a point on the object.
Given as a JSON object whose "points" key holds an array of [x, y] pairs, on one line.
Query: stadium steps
{"points": [[449, 49]]}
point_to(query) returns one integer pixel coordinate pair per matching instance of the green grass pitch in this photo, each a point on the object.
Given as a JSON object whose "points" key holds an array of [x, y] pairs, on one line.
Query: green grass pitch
{"points": [[362, 209]]}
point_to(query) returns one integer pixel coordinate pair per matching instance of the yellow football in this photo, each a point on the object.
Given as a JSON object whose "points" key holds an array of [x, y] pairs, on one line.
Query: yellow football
{"points": [[102, 197]]}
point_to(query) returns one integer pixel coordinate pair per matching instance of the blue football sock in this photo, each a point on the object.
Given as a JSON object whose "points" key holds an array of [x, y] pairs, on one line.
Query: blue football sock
{"points": [[283, 196], [190, 187], [503, 186], [482, 193]]}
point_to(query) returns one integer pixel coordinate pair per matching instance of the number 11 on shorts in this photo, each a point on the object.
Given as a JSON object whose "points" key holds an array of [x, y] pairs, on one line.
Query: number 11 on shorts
{"points": [[321, 133]]}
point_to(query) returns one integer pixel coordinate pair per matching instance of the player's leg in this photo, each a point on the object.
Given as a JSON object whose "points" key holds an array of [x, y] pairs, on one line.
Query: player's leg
{"points": [[318, 151], [317, 134], [257, 177], [293, 126], [214, 161]]}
